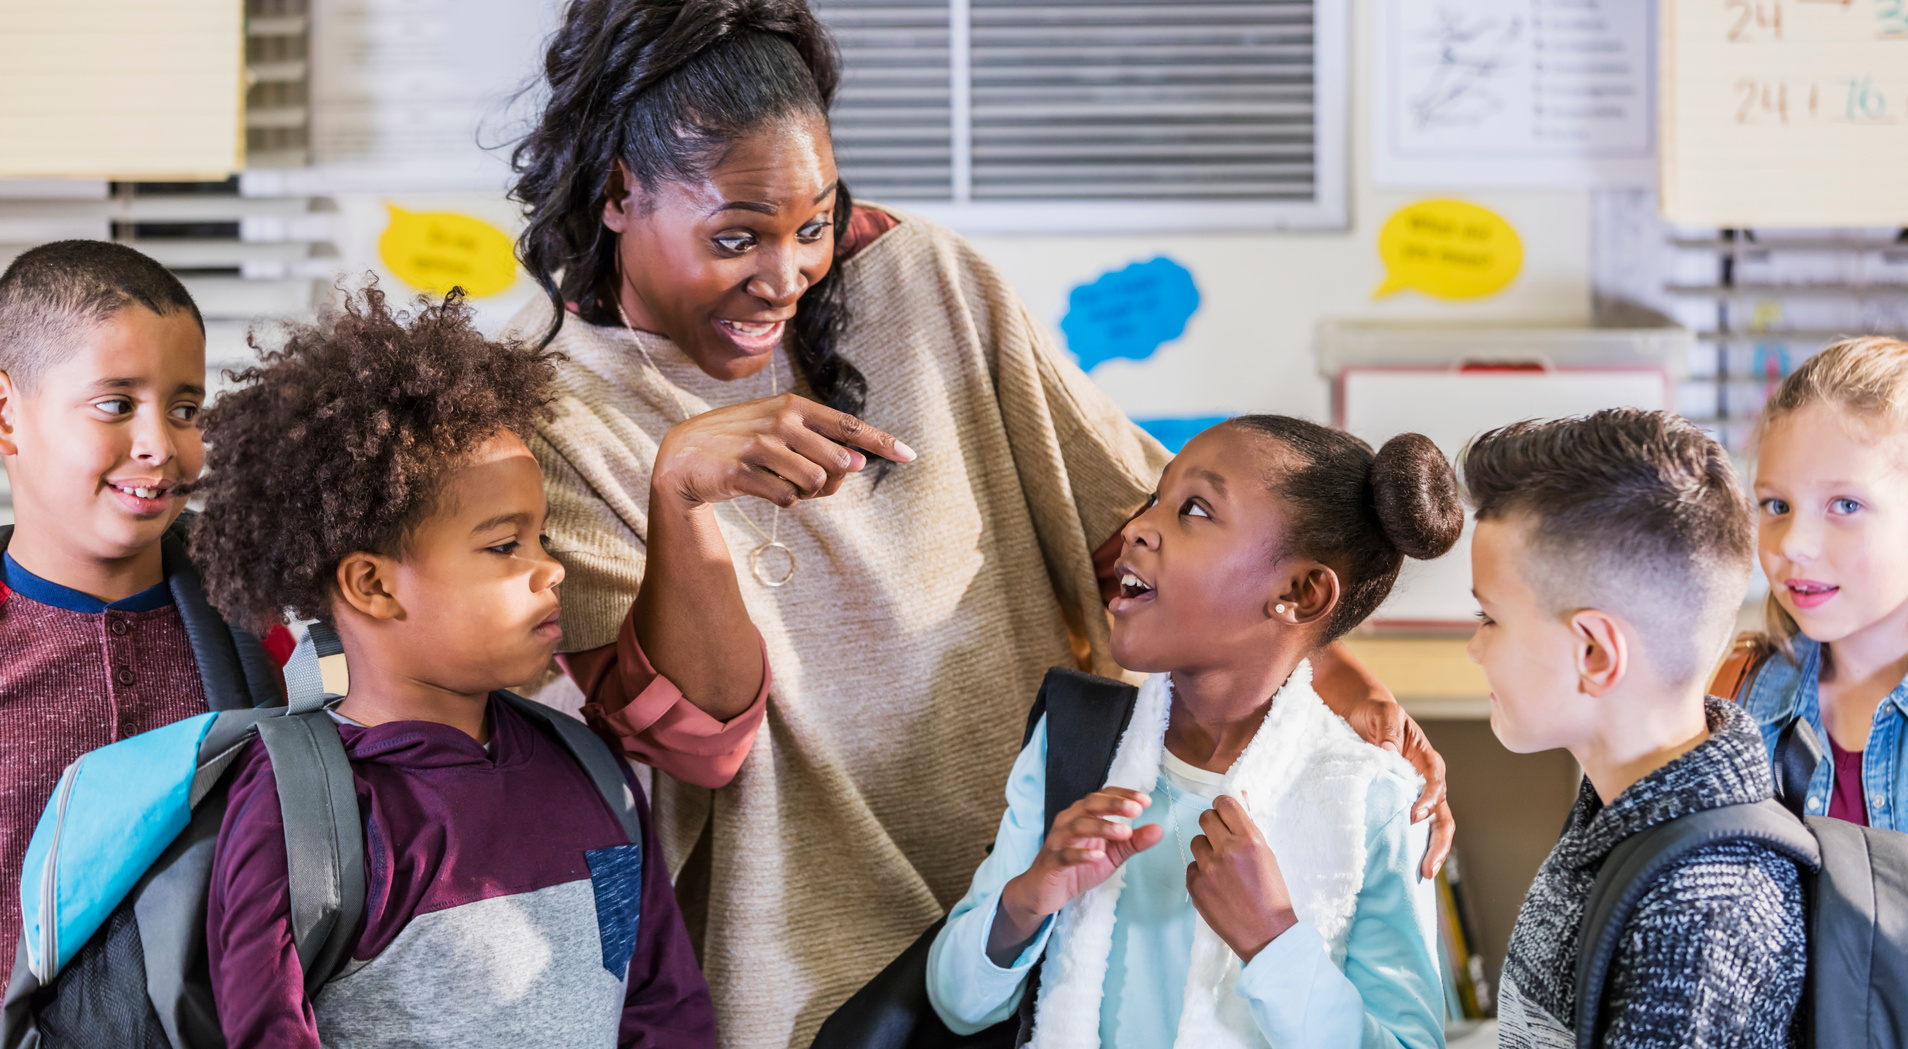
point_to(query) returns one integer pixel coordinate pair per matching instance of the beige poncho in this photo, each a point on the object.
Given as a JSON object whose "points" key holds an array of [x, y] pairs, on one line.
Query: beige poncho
{"points": [[906, 650]]}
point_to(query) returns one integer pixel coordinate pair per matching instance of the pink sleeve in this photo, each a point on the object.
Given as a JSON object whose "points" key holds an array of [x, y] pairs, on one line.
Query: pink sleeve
{"points": [[658, 725]]}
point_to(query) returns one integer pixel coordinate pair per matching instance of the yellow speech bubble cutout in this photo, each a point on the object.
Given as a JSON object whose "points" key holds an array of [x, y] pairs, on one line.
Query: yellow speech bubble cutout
{"points": [[1448, 249], [435, 251]]}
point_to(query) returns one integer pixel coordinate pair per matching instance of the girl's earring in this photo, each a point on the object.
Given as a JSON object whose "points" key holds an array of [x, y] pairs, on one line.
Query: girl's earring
{"points": [[1280, 609]]}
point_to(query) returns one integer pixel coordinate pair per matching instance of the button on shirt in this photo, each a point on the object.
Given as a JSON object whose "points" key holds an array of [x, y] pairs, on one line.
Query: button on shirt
{"points": [[77, 673], [1783, 691]]}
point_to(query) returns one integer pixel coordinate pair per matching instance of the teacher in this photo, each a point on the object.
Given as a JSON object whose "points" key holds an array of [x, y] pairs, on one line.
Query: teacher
{"points": [[830, 677]]}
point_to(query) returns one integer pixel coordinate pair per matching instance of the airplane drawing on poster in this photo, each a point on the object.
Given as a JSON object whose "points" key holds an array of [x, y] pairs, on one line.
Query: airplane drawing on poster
{"points": [[1514, 92]]}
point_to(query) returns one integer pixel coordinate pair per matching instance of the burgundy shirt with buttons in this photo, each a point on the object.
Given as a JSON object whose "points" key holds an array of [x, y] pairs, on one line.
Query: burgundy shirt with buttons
{"points": [[77, 673]]}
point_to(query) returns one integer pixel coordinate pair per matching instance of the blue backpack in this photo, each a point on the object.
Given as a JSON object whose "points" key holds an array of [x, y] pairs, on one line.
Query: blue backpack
{"points": [[117, 873]]}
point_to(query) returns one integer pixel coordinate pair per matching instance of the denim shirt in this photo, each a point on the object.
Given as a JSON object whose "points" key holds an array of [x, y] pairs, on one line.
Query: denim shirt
{"points": [[1783, 691]]}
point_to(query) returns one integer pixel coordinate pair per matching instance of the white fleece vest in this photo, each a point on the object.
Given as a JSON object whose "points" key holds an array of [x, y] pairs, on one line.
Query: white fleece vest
{"points": [[1306, 774]]}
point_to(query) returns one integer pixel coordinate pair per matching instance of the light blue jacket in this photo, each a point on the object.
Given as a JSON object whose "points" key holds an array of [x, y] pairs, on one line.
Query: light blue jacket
{"points": [[1388, 995], [1783, 691]]}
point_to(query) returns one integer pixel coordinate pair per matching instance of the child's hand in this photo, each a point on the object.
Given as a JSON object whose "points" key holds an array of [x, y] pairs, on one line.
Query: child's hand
{"points": [[1083, 849], [1234, 880]]}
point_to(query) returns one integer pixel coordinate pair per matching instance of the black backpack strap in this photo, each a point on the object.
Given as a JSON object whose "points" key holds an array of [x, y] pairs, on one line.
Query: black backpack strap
{"points": [[601, 764], [1797, 753], [1086, 716], [235, 669], [324, 839], [1639, 861]]}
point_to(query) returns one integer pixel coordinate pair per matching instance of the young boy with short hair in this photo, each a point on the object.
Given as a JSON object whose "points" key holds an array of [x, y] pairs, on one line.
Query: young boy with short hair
{"points": [[372, 474], [104, 630], [1611, 555]]}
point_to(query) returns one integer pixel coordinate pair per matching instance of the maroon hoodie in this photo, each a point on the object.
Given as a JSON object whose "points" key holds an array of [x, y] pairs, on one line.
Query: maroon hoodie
{"points": [[502, 906]]}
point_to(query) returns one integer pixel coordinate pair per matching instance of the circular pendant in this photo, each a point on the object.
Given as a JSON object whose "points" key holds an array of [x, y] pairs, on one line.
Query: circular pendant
{"points": [[772, 564]]}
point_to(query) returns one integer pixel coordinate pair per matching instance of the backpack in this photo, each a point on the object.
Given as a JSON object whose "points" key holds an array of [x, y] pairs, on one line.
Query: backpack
{"points": [[1854, 880], [1086, 715], [118, 870]]}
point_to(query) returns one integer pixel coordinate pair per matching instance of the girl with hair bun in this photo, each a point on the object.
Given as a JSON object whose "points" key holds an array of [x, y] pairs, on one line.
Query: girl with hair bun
{"points": [[736, 326], [1248, 873]]}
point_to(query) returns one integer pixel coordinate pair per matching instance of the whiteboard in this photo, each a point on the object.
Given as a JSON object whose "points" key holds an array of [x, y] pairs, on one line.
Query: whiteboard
{"points": [[122, 88], [1785, 112], [1451, 408]]}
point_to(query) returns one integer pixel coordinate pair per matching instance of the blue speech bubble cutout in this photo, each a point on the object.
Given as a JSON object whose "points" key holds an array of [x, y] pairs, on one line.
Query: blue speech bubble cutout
{"points": [[1130, 312], [1174, 432]]}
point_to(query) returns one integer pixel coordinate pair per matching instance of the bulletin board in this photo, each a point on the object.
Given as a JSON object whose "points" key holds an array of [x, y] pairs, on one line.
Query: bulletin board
{"points": [[1784, 112], [122, 89]]}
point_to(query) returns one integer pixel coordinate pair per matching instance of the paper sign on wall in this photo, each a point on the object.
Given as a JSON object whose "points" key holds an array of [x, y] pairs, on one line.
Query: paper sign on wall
{"points": [[1448, 249], [434, 251], [1513, 93], [1130, 312]]}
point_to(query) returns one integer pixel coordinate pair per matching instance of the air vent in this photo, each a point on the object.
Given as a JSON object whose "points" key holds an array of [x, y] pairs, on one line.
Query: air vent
{"points": [[893, 119], [1091, 99], [1090, 115]]}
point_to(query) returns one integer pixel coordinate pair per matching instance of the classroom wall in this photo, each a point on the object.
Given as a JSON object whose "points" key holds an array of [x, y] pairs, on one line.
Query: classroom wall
{"points": [[1249, 346]]}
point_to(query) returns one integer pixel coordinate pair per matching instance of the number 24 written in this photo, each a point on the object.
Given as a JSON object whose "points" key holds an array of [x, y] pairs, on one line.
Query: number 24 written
{"points": [[1761, 20]]}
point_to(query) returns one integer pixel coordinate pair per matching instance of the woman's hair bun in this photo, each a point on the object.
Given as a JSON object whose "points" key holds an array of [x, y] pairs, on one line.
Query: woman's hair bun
{"points": [[1416, 494]]}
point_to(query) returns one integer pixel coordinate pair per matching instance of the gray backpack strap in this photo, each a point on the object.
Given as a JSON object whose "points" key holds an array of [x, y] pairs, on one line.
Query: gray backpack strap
{"points": [[602, 765], [324, 839], [304, 671], [1858, 938], [1636, 864]]}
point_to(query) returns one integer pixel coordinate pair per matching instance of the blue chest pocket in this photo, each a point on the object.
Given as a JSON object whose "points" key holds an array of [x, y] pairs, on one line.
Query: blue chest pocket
{"points": [[616, 876]]}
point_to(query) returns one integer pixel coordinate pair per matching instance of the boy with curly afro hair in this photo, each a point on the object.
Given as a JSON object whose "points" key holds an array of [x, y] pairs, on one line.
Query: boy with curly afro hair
{"points": [[371, 474]]}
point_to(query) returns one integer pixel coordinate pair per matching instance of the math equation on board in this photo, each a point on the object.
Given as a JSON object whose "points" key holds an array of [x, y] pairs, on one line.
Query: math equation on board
{"points": [[1843, 100], [1785, 112]]}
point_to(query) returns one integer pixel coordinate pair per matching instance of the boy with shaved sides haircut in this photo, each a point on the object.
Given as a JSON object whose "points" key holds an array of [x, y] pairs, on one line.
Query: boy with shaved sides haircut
{"points": [[1611, 555], [104, 628]]}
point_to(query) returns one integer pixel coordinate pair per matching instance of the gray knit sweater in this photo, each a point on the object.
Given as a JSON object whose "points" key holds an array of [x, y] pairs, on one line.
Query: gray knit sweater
{"points": [[1714, 954]]}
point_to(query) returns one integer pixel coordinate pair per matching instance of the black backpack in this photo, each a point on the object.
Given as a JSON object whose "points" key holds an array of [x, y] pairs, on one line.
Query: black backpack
{"points": [[1086, 715], [138, 978], [1855, 879]]}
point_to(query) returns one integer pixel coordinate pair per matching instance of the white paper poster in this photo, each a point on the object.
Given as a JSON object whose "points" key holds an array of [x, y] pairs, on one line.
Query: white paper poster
{"points": [[1508, 93]]}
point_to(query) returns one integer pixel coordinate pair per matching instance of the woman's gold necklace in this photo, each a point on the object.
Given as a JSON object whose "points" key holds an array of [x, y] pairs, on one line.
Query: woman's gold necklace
{"points": [[773, 551]]}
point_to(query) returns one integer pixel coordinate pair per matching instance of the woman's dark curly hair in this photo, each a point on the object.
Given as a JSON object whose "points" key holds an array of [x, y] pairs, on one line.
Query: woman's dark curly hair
{"points": [[338, 442], [665, 87]]}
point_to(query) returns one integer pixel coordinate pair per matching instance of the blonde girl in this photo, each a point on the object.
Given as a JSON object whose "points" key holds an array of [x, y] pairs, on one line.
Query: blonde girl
{"points": [[1831, 486]]}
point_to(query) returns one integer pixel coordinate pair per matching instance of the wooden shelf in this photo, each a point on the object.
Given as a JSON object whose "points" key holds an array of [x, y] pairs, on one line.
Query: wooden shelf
{"points": [[1432, 677]]}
